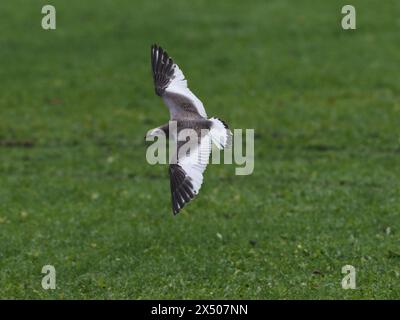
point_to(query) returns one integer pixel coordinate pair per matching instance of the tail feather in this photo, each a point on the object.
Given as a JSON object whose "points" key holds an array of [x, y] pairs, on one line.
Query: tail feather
{"points": [[220, 133]]}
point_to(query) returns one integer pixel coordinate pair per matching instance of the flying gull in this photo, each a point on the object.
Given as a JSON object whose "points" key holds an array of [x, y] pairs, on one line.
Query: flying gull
{"points": [[186, 174]]}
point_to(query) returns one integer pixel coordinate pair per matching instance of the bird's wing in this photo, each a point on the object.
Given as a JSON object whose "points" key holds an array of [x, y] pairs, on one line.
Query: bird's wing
{"points": [[186, 176], [170, 84]]}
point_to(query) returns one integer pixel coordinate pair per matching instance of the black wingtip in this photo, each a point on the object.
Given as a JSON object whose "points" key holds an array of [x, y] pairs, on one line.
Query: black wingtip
{"points": [[162, 67], [181, 188]]}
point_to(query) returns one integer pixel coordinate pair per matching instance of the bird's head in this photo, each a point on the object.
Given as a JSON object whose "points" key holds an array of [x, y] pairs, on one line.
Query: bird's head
{"points": [[153, 133]]}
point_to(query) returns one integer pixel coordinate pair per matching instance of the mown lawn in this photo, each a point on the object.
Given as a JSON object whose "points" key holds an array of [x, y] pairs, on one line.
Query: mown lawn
{"points": [[77, 193]]}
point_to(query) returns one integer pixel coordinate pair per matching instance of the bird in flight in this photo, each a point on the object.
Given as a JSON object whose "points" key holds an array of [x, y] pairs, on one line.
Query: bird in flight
{"points": [[187, 111]]}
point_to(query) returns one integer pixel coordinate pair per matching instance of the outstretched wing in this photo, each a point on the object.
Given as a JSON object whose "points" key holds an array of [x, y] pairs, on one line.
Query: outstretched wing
{"points": [[186, 176], [170, 84]]}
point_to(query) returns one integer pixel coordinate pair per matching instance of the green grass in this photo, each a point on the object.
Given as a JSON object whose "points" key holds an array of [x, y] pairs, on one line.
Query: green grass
{"points": [[77, 193]]}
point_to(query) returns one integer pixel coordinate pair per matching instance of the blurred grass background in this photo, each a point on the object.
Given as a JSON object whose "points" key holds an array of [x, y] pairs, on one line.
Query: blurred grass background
{"points": [[77, 193]]}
